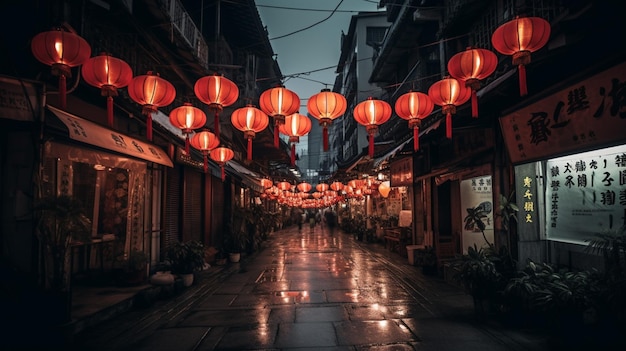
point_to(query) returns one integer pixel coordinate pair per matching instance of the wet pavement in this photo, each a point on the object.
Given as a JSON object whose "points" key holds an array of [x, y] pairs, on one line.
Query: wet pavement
{"points": [[311, 291]]}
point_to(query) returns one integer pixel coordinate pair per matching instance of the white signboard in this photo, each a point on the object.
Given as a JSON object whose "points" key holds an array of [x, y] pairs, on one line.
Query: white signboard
{"points": [[586, 194], [476, 195]]}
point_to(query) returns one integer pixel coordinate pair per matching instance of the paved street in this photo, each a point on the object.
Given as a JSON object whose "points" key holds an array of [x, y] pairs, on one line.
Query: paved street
{"points": [[311, 291]]}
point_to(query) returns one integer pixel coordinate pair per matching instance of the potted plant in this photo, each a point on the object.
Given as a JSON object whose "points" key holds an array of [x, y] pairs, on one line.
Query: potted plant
{"points": [[237, 243], [61, 220], [186, 258], [429, 260]]}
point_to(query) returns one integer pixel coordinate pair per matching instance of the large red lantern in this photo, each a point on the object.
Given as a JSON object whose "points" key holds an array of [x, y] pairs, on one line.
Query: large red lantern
{"points": [[279, 103], [109, 74], [295, 126], [371, 113], [471, 66], [518, 38], [61, 50], [250, 120], [221, 155], [217, 92], [414, 106], [321, 187], [449, 93], [326, 106], [187, 118], [284, 186], [205, 141], [151, 91]]}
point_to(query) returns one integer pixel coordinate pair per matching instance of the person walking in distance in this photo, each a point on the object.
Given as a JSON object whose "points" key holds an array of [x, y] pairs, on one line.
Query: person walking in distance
{"points": [[331, 220]]}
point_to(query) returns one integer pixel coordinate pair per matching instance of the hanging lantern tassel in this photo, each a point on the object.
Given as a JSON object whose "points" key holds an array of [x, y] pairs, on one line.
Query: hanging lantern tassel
{"points": [[276, 135], [371, 131], [473, 84], [63, 91], [110, 111], [216, 124], [449, 110], [521, 59], [206, 163], [293, 154], [147, 110], [223, 173], [414, 123], [325, 138], [187, 143], [249, 149]]}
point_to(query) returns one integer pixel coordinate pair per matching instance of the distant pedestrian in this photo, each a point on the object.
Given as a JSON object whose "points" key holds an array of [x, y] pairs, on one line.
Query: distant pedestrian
{"points": [[331, 220]]}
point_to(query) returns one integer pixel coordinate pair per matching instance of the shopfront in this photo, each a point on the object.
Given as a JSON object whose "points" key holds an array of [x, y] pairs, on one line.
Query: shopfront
{"points": [[117, 178], [569, 149]]}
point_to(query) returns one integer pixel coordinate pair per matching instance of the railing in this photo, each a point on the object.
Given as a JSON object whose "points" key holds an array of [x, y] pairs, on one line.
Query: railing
{"points": [[187, 29]]}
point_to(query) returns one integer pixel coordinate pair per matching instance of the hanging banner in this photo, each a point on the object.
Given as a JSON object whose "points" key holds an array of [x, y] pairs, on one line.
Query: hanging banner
{"points": [[586, 194], [589, 114]]}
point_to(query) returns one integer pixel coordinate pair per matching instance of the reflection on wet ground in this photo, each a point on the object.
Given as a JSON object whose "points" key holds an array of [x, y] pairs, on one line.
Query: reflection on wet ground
{"points": [[310, 290]]}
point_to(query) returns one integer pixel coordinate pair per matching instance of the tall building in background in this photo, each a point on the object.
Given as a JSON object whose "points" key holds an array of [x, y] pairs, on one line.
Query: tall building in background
{"points": [[365, 35]]}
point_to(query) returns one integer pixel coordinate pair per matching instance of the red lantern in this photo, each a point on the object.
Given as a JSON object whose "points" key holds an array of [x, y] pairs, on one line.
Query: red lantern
{"points": [[304, 187], [151, 91], [326, 106], [249, 120], [519, 38], [221, 155], [278, 103], [266, 183], [109, 74], [371, 113], [284, 186], [321, 187], [336, 186], [471, 66], [295, 126], [187, 118], [414, 106], [449, 93], [205, 141], [61, 50], [217, 92]]}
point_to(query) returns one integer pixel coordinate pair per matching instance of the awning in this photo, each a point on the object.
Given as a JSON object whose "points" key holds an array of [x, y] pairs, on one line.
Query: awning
{"points": [[88, 132], [248, 177], [378, 161]]}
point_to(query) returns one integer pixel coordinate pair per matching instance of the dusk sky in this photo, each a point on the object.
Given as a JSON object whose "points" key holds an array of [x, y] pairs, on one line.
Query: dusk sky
{"points": [[312, 49]]}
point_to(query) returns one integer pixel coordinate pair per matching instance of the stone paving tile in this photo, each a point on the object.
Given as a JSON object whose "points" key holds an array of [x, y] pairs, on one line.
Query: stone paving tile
{"points": [[216, 301], [241, 338], [313, 335], [179, 339], [365, 312], [233, 317], [373, 332], [321, 314]]}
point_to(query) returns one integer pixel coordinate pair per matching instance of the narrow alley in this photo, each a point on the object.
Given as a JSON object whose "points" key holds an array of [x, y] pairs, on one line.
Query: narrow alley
{"points": [[310, 290]]}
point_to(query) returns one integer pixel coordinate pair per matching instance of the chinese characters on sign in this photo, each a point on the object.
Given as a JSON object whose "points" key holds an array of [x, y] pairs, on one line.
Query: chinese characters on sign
{"points": [[528, 200], [476, 197], [586, 194], [587, 114]]}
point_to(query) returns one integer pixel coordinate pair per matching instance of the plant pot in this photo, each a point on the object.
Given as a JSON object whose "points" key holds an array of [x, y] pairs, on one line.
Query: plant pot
{"points": [[234, 257], [187, 279], [220, 261]]}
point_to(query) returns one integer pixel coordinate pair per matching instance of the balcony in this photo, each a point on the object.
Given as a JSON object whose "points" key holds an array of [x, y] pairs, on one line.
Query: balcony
{"points": [[186, 28]]}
